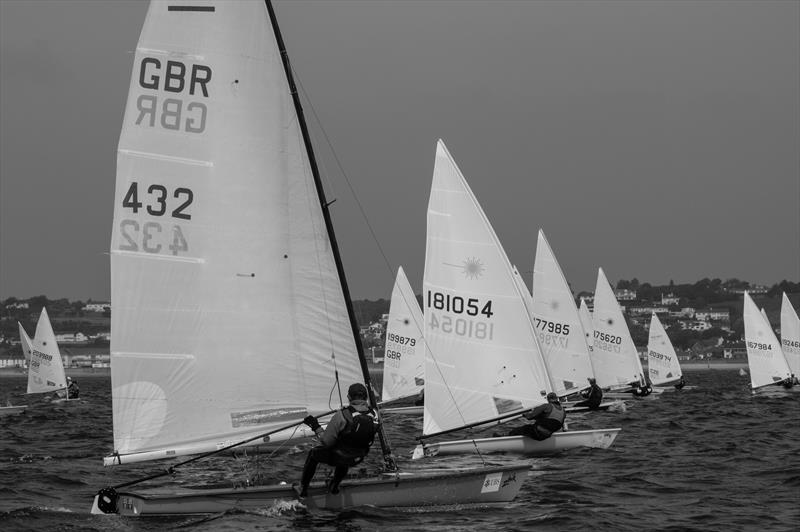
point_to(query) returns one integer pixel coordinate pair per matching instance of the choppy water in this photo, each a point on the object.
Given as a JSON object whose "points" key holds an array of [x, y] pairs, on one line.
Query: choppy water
{"points": [[713, 458]]}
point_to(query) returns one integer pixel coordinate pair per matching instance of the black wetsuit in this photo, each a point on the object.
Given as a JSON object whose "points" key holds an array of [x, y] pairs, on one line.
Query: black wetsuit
{"points": [[345, 443], [594, 396], [549, 419]]}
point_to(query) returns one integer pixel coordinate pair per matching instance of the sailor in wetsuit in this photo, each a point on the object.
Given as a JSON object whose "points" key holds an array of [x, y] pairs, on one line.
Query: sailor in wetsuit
{"points": [[592, 397], [344, 442], [549, 419]]}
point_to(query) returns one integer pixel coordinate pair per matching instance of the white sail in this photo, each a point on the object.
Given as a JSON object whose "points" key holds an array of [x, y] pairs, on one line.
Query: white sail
{"points": [[764, 315], [483, 357], [26, 343], [404, 353], [790, 335], [558, 324], [228, 313], [46, 369], [588, 328], [663, 365], [616, 361], [764, 356]]}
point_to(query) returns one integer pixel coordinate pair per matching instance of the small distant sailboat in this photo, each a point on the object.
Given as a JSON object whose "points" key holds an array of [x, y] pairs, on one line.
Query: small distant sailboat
{"points": [[663, 366], [46, 368], [404, 352], [615, 359], [483, 364], [768, 367], [790, 336], [25, 343], [558, 324]]}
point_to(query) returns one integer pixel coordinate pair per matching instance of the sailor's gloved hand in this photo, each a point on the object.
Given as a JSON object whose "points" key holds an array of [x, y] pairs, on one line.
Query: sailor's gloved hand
{"points": [[312, 422]]}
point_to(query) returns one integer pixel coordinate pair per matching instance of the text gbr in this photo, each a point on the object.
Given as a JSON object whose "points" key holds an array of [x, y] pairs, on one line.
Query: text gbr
{"points": [[177, 78]]}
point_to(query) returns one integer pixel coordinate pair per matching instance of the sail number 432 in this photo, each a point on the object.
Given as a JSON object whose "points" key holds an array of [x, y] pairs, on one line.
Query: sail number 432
{"points": [[458, 305], [156, 198]]}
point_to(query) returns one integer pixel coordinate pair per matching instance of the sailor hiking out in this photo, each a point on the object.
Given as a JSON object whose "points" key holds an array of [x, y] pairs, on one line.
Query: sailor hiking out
{"points": [[549, 418], [344, 442]]}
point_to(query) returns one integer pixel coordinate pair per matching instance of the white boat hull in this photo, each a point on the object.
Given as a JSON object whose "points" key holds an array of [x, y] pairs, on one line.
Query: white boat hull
{"points": [[12, 410], [776, 391], [606, 405], [662, 389], [487, 485], [557, 443], [404, 410]]}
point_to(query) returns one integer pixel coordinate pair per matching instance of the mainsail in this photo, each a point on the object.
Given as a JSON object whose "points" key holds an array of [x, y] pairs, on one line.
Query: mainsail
{"points": [[46, 369], [404, 355], [616, 362], [228, 313], [588, 327], [483, 358], [790, 335], [764, 356], [558, 324], [26, 343], [662, 361]]}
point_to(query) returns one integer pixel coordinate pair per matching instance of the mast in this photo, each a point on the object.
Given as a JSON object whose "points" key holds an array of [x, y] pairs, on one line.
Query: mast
{"points": [[387, 453]]}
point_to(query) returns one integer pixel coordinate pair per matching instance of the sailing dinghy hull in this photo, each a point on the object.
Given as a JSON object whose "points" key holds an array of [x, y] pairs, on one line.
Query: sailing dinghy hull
{"points": [[606, 405], [404, 410], [557, 443], [12, 410], [490, 485]]}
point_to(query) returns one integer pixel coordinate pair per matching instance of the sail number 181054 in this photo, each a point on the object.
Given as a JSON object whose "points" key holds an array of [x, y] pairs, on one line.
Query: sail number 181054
{"points": [[458, 305]]}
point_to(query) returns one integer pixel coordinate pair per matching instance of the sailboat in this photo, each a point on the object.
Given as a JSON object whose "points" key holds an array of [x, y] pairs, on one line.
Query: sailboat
{"points": [[404, 352], [559, 328], [46, 368], [790, 336], [226, 275], [663, 366], [558, 324], [483, 364], [768, 367], [615, 359], [25, 344]]}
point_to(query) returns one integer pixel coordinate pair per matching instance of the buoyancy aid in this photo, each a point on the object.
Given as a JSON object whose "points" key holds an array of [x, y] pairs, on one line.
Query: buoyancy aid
{"points": [[359, 433], [553, 419]]}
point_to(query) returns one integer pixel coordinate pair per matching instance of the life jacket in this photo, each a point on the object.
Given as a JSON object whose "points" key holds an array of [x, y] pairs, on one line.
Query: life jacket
{"points": [[359, 433], [553, 420], [595, 396]]}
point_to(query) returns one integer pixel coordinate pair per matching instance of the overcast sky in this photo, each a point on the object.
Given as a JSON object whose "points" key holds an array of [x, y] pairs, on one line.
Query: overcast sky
{"points": [[659, 140]]}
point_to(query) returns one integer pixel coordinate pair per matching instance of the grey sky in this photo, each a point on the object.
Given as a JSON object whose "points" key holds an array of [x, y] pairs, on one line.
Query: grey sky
{"points": [[659, 140]]}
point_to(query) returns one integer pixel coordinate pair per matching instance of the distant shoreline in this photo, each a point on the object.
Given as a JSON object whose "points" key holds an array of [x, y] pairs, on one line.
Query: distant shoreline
{"points": [[374, 369], [71, 372]]}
